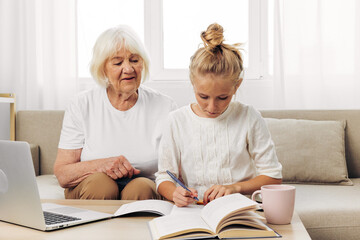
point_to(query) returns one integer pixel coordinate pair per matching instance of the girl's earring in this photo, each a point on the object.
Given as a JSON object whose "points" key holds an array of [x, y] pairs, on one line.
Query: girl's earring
{"points": [[242, 74]]}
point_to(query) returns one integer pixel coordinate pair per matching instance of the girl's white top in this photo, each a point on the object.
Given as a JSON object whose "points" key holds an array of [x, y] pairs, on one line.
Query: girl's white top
{"points": [[235, 146], [100, 130]]}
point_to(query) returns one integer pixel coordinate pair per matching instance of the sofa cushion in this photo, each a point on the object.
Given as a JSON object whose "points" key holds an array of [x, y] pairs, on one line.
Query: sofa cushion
{"points": [[310, 151], [35, 157], [49, 187], [42, 128], [329, 211]]}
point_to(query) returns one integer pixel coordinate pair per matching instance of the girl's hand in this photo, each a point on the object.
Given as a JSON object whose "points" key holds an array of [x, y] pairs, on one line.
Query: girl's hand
{"points": [[182, 197], [217, 191]]}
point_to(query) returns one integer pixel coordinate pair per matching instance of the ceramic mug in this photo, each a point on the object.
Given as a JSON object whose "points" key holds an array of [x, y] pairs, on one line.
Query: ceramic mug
{"points": [[278, 202]]}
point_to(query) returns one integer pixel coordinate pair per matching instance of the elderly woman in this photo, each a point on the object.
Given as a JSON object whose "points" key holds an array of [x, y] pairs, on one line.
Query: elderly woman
{"points": [[110, 135]]}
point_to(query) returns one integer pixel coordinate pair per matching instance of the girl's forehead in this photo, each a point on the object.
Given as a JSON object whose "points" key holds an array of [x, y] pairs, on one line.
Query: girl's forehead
{"points": [[221, 80], [213, 86]]}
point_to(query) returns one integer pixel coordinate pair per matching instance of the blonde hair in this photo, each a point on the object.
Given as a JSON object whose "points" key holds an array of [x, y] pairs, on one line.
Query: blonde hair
{"points": [[108, 44], [216, 57]]}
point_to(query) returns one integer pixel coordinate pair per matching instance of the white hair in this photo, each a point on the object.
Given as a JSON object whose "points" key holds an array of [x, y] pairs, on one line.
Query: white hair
{"points": [[109, 43]]}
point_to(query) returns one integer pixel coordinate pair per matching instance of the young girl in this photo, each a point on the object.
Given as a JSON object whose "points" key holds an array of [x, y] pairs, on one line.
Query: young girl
{"points": [[215, 146]]}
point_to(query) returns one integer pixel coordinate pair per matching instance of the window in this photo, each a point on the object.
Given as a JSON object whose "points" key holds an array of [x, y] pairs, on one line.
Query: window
{"points": [[95, 16], [171, 30], [182, 26]]}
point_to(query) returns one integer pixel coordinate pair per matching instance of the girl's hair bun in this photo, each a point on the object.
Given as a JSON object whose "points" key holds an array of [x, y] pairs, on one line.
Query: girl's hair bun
{"points": [[217, 57], [213, 37]]}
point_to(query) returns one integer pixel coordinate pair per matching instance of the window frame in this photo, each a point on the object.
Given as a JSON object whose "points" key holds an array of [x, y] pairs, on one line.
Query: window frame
{"points": [[154, 42], [153, 37]]}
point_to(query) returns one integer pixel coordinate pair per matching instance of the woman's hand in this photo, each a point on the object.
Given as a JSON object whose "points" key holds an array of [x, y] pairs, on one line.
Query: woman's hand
{"points": [[217, 191], [182, 197], [70, 171], [118, 167]]}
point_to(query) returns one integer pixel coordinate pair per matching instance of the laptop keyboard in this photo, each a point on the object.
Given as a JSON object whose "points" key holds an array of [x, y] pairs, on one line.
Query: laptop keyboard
{"points": [[54, 218]]}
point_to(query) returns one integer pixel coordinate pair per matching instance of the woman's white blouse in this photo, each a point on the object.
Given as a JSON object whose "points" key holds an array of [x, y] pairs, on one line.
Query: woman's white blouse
{"points": [[100, 130], [236, 146]]}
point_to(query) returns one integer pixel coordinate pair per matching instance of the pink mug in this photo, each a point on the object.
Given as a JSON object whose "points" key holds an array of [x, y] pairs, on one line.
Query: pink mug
{"points": [[278, 202]]}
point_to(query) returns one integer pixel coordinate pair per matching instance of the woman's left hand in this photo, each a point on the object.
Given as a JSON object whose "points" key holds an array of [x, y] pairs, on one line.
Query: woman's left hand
{"points": [[217, 191]]}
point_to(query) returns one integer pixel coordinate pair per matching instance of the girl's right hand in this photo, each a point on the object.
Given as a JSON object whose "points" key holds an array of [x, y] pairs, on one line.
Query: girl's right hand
{"points": [[182, 197]]}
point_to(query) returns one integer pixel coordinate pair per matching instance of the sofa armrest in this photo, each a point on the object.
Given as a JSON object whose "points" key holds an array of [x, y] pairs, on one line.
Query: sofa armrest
{"points": [[35, 154]]}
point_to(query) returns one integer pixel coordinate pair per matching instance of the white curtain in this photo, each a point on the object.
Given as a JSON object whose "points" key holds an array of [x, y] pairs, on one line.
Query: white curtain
{"points": [[317, 54], [38, 52]]}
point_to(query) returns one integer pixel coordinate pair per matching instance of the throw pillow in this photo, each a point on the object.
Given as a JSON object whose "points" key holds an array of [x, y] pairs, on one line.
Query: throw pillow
{"points": [[310, 151]]}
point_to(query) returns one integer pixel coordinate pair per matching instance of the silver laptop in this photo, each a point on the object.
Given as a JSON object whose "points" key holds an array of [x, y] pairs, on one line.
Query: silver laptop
{"points": [[19, 197]]}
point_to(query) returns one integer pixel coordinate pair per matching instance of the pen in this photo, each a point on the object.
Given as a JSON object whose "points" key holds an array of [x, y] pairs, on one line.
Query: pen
{"points": [[179, 182]]}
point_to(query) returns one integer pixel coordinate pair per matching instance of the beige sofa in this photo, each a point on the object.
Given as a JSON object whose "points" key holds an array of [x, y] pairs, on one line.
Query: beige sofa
{"points": [[329, 210]]}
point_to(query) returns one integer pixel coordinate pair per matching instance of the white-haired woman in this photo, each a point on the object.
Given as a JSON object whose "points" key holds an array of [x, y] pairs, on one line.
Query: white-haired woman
{"points": [[110, 135]]}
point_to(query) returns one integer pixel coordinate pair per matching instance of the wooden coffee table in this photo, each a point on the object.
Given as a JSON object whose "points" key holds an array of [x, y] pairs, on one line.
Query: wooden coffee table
{"points": [[134, 227]]}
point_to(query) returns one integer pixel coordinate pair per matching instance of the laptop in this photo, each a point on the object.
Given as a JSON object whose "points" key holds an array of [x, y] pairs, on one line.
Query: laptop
{"points": [[19, 196]]}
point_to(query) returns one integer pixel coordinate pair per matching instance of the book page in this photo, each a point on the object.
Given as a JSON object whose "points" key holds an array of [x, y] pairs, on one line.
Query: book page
{"points": [[189, 209], [175, 225], [217, 209], [248, 215], [255, 223], [159, 207], [254, 228]]}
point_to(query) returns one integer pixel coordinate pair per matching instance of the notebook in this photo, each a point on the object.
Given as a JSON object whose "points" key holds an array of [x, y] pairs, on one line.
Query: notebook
{"points": [[19, 196]]}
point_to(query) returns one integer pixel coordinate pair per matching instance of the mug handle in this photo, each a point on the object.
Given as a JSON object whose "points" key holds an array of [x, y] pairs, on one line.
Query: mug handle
{"points": [[254, 195]]}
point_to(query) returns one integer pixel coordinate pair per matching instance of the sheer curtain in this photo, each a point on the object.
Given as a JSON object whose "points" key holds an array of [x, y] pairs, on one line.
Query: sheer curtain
{"points": [[38, 52], [317, 54]]}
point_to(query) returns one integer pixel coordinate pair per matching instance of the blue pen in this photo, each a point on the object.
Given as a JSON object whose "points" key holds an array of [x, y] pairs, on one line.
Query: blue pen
{"points": [[179, 182]]}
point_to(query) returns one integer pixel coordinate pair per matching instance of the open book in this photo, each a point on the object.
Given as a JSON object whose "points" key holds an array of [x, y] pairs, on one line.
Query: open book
{"points": [[231, 216], [158, 207]]}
